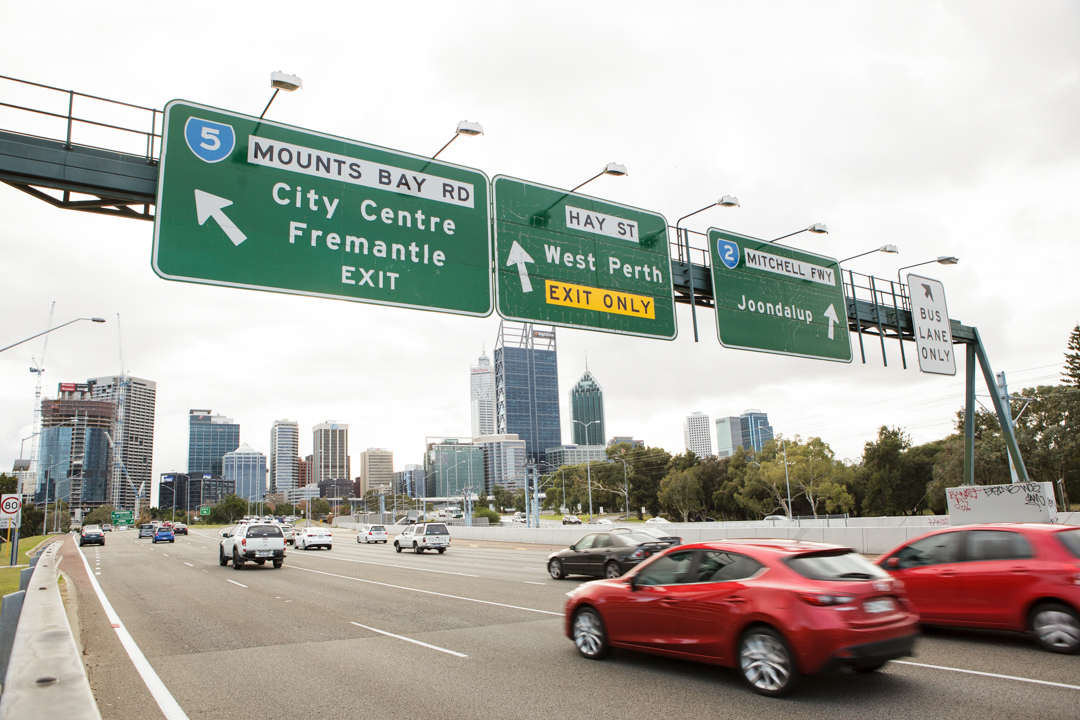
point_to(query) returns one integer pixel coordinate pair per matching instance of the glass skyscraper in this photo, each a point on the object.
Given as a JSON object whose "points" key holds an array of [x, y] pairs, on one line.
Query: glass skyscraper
{"points": [[135, 400], [451, 465], [756, 430], [729, 435], [246, 467], [587, 411], [527, 388], [209, 438], [74, 458], [284, 456], [482, 397]]}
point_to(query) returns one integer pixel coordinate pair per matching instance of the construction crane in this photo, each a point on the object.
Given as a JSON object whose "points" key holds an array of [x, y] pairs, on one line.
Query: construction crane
{"points": [[39, 369]]}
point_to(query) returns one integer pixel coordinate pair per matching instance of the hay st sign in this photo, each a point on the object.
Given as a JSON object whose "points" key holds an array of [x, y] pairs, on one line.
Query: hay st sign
{"points": [[776, 299], [247, 203], [575, 261]]}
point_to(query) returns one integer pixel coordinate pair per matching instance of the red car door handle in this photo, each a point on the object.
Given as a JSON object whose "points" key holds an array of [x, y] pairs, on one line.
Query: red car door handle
{"points": [[735, 600], [670, 602]]}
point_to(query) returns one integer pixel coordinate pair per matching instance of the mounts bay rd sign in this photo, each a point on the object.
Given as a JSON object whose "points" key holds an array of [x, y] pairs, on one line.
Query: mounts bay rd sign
{"points": [[776, 299], [571, 260], [252, 204]]}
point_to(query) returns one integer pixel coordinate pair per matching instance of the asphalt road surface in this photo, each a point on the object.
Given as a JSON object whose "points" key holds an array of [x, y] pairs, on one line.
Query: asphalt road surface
{"points": [[361, 631]]}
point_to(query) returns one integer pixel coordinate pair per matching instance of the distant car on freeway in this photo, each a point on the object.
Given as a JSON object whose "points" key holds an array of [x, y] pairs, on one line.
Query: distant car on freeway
{"points": [[603, 521], [91, 535], [180, 529], [424, 536], [657, 521], [1005, 576], [771, 609], [658, 533], [519, 517], [604, 554], [371, 534], [314, 537], [571, 520], [290, 534], [163, 534], [146, 530], [254, 542], [106, 528]]}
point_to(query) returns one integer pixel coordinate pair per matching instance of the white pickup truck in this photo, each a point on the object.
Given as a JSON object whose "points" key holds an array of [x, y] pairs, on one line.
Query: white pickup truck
{"points": [[256, 542], [424, 536]]}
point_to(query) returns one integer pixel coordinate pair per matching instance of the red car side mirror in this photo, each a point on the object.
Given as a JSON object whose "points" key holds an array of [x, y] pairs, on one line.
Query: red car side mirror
{"points": [[893, 563]]}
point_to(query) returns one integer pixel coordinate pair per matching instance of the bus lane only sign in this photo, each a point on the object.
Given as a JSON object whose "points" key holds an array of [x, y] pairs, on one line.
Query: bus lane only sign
{"points": [[933, 329], [253, 204]]}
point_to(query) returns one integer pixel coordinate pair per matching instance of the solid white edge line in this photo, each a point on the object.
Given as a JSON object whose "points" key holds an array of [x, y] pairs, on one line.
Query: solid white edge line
{"points": [[235, 583], [169, 707], [403, 567], [415, 642], [425, 592], [988, 674]]}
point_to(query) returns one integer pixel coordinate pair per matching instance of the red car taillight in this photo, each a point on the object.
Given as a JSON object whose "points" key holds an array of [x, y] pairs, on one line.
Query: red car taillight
{"points": [[825, 599]]}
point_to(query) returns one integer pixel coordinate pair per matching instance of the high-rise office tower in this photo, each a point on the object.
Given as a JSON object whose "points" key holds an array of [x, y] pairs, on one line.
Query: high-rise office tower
{"points": [[729, 436], [410, 481], [527, 387], [209, 438], [756, 430], [482, 397], [133, 442], [330, 459], [246, 467], [453, 466], [305, 471], [587, 411], [697, 434], [284, 456], [376, 470], [74, 458], [504, 461]]}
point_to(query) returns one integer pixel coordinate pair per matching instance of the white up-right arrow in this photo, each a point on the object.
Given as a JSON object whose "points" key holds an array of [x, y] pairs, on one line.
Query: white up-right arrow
{"points": [[210, 206], [519, 257], [831, 314]]}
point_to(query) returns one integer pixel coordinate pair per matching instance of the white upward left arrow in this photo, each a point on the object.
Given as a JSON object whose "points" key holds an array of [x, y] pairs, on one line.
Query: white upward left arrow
{"points": [[210, 206], [831, 314]]}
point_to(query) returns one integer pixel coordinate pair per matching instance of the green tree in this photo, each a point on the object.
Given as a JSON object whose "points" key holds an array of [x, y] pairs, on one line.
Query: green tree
{"points": [[58, 518], [9, 484], [32, 520], [890, 490], [647, 467], [320, 507], [228, 511], [1072, 359], [99, 515], [817, 477], [502, 498], [485, 512], [519, 501], [680, 493]]}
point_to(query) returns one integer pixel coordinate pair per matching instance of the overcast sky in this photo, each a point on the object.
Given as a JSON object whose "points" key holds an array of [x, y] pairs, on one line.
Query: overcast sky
{"points": [[942, 128]]}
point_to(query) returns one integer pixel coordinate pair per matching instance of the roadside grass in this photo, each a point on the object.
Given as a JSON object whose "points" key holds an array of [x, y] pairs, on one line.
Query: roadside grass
{"points": [[9, 580], [25, 546]]}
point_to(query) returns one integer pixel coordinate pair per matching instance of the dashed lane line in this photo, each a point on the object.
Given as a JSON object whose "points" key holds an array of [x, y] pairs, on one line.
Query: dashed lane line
{"points": [[189, 564], [236, 583], [403, 567], [425, 592], [988, 674], [415, 642]]}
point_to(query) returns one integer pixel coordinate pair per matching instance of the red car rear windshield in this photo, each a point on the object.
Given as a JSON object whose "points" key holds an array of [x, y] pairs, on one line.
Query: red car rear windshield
{"points": [[836, 566], [1071, 540]]}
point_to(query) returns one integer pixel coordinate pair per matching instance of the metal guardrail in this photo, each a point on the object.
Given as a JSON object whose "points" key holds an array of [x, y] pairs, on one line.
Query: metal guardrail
{"points": [[46, 679]]}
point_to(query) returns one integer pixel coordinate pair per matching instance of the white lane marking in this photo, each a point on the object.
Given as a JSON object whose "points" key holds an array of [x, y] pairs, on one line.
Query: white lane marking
{"points": [[530, 582], [169, 707], [987, 674], [165, 554], [415, 642], [236, 583], [425, 592], [403, 567], [189, 564]]}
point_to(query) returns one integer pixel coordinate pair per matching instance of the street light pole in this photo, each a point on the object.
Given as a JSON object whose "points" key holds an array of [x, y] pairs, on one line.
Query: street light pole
{"points": [[684, 235], [941, 260], [97, 320], [787, 480], [588, 459]]}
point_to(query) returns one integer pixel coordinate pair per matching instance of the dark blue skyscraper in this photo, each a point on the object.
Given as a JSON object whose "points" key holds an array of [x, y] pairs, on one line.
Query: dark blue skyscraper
{"points": [[209, 438], [587, 411], [527, 388], [756, 430]]}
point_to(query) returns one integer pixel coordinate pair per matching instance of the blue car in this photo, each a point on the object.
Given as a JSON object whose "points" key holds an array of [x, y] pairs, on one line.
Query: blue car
{"points": [[163, 534]]}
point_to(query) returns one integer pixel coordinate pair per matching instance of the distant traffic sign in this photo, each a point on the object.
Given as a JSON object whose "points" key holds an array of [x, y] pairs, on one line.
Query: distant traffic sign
{"points": [[204, 510], [123, 517], [10, 511], [933, 329], [571, 260], [776, 299], [248, 203]]}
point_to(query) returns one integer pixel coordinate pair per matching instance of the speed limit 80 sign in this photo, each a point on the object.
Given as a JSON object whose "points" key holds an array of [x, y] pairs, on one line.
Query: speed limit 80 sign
{"points": [[10, 511]]}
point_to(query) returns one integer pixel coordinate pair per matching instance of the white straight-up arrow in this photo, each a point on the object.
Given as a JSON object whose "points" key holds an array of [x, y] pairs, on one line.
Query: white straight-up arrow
{"points": [[210, 206], [519, 257], [831, 314]]}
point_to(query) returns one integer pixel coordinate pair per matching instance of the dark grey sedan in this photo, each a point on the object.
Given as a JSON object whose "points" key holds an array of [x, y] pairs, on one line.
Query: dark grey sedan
{"points": [[604, 554]]}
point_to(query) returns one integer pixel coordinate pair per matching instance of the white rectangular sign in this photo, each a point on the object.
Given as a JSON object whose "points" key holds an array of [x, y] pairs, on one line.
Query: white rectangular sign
{"points": [[10, 511], [933, 330], [791, 268], [1017, 502], [601, 224]]}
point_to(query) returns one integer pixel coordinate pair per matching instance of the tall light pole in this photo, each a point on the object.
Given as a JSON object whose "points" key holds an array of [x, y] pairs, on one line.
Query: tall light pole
{"points": [[941, 260], [787, 480], [463, 128], [891, 249], [626, 488], [613, 169], [818, 228], [684, 236], [280, 81], [96, 320], [588, 461]]}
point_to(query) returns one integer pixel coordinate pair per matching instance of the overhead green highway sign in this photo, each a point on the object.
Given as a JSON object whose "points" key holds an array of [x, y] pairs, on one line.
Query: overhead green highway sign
{"points": [[571, 260], [776, 299], [252, 204]]}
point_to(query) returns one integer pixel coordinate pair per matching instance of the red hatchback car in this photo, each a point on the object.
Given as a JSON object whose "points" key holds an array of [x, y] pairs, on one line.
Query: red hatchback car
{"points": [[774, 609], [1003, 576]]}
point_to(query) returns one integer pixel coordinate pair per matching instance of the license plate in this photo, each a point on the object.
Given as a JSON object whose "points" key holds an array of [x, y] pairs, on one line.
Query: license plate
{"points": [[264, 553], [879, 606]]}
